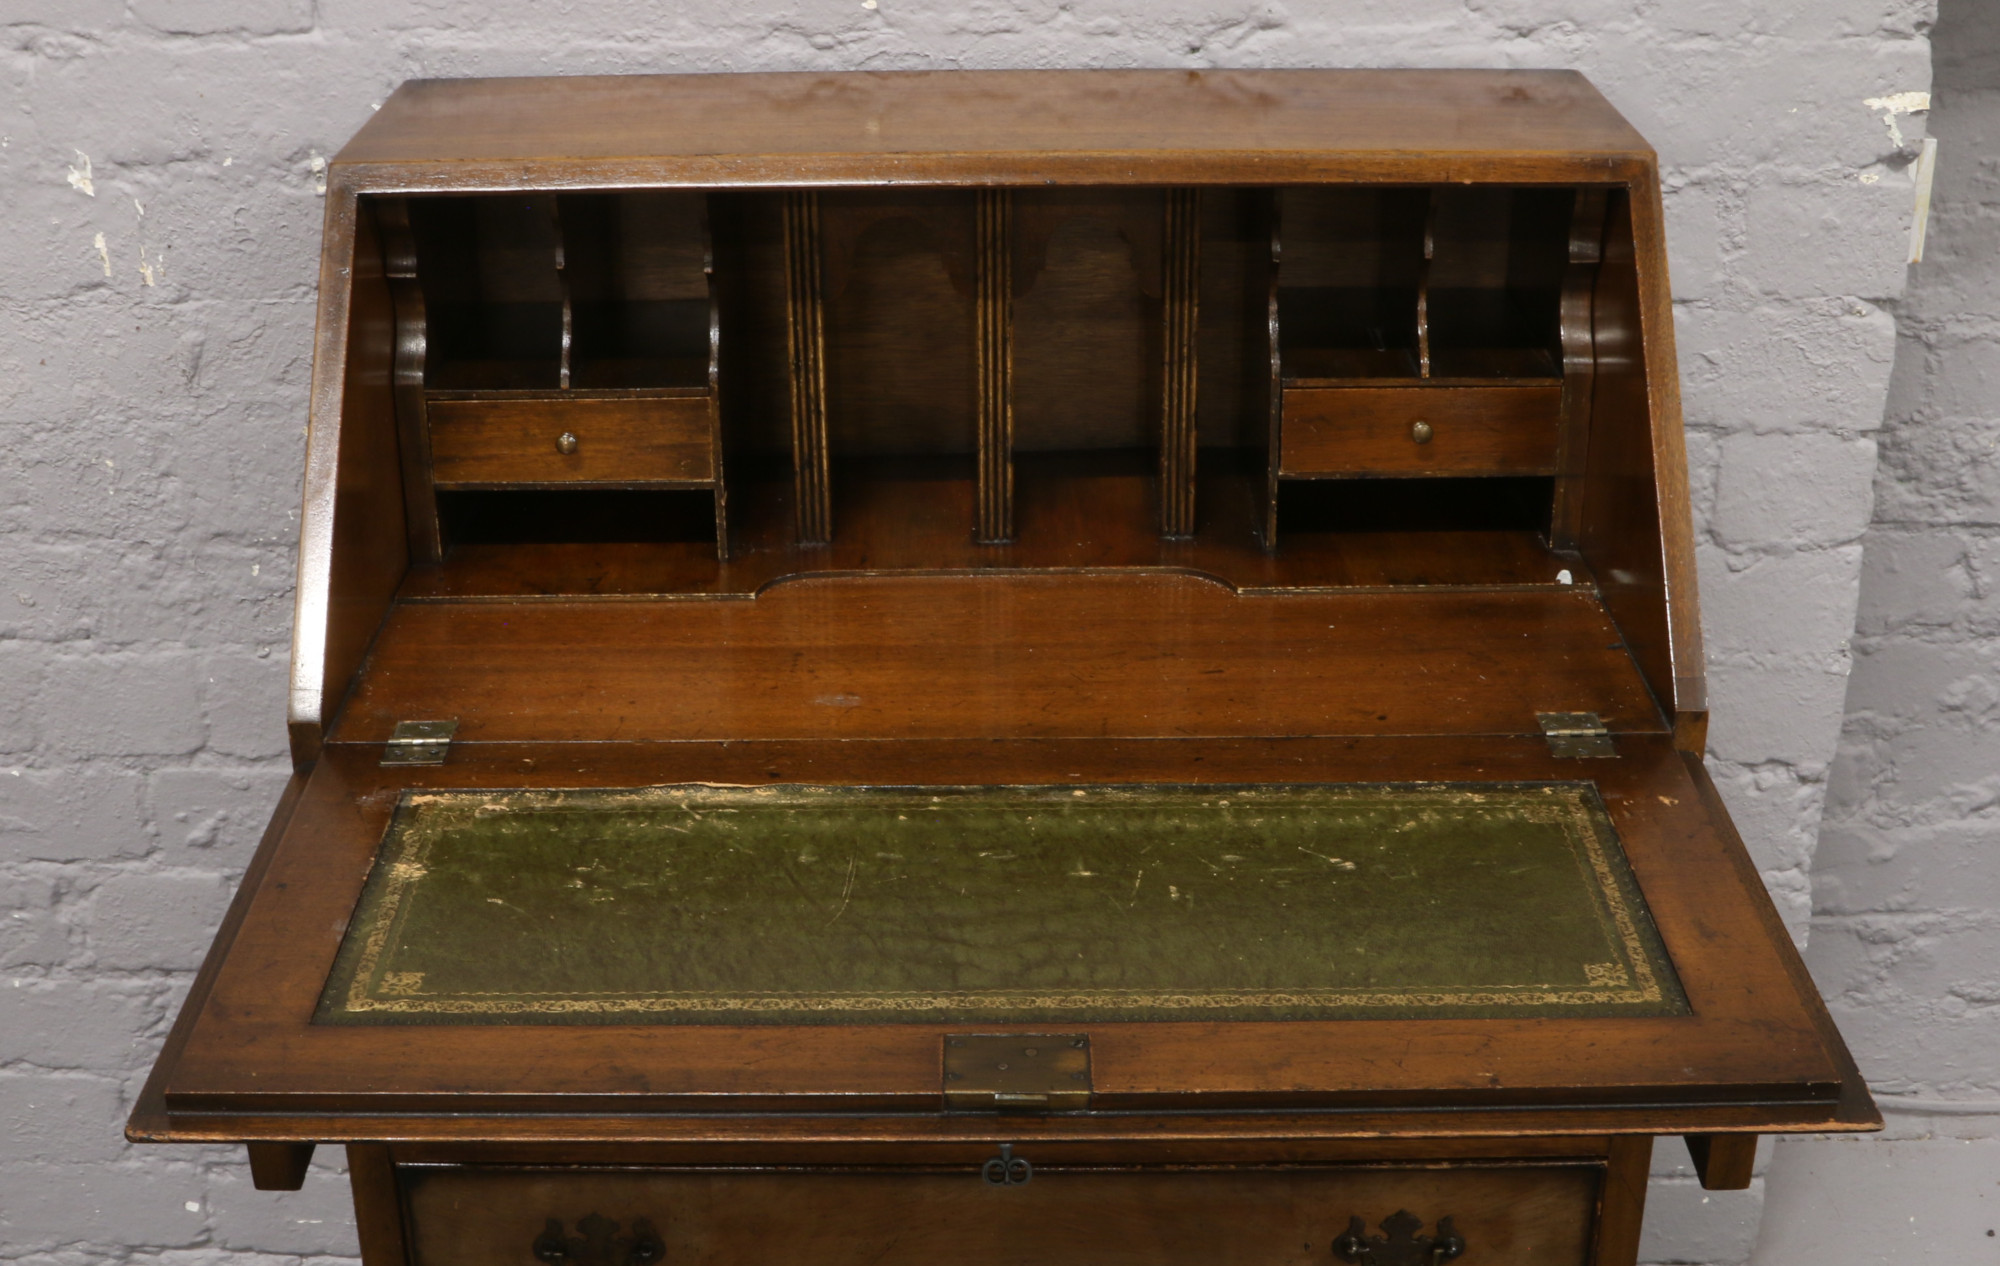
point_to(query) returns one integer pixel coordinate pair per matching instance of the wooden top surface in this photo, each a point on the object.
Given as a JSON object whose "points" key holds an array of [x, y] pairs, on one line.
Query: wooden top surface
{"points": [[1096, 126]]}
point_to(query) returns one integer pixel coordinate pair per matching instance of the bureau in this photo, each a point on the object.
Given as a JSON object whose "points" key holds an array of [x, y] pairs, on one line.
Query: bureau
{"points": [[1088, 666]]}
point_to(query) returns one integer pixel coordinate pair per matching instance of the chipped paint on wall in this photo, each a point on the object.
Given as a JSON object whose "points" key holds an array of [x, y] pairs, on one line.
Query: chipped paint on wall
{"points": [[79, 177], [103, 253], [1894, 106]]}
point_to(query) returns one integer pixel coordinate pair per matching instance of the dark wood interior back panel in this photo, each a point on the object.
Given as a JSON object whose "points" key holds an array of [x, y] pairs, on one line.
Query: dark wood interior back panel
{"points": [[1525, 1216], [1001, 656]]}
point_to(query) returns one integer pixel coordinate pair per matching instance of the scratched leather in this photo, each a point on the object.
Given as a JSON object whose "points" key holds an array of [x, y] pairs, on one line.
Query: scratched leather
{"points": [[804, 905]]}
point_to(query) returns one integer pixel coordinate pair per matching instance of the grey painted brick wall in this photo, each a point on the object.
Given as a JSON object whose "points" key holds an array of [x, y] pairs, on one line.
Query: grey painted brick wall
{"points": [[1906, 890], [157, 181]]}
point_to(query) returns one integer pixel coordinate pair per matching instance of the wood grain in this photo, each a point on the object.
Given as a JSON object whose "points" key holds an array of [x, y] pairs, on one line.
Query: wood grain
{"points": [[1621, 529], [353, 541], [1181, 322], [1621, 1204], [378, 1206], [1576, 325], [1724, 1162], [994, 304], [1073, 512], [1002, 127], [1368, 430], [1539, 1214], [399, 254], [1750, 1057], [805, 330], [625, 440], [1004, 655]]}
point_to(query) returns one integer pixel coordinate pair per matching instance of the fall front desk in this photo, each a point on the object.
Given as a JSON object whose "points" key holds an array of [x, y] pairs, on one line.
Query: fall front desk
{"points": [[1059, 666]]}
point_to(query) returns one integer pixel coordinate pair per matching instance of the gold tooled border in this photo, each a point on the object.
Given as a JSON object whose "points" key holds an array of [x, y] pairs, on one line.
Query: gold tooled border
{"points": [[1566, 804]]}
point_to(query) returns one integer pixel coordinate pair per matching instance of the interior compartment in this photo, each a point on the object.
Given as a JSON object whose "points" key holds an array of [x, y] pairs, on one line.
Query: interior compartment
{"points": [[548, 340], [1519, 504], [563, 516], [1495, 280], [994, 382], [489, 267], [1350, 275]]}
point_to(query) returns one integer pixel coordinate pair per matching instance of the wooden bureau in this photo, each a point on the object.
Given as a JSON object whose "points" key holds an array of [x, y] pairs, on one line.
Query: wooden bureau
{"points": [[1088, 666]]}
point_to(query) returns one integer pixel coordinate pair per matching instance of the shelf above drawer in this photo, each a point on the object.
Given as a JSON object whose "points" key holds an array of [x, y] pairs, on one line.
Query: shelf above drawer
{"points": [[1419, 430], [624, 440]]}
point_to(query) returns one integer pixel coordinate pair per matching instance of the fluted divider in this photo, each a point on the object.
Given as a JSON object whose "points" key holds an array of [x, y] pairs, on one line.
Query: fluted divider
{"points": [[1180, 320], [993, 296], [805, 334]]}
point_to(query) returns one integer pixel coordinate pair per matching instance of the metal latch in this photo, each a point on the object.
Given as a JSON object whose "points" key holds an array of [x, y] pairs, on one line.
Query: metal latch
{"points": [[419, 743], [1576, 735], [1021, 1072]]}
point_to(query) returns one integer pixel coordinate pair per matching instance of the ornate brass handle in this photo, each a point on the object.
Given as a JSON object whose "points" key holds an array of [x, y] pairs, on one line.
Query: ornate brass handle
{"points": [[1401, 1246], [598, 1243]]}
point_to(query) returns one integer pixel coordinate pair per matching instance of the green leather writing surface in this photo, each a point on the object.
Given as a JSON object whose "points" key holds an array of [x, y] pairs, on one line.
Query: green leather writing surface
{"points": [[824, 905]]}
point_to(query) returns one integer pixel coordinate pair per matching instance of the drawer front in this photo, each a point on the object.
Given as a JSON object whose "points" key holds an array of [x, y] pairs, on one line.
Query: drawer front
{"points": [[1511, 1216], [617, 441], [1374, 430]]}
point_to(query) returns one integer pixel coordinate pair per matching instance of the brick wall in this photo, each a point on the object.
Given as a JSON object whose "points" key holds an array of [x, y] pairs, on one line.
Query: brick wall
{"points": [[1906, 888], [158, 183]]}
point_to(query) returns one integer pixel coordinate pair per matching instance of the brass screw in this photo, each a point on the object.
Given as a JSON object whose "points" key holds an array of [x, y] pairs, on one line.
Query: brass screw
{"points": [[566, 443], [1420, 432]]}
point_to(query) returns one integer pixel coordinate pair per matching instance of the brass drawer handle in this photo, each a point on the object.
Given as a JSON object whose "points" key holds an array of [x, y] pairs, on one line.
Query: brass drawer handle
{"points": [[566, 443], [598, 1243], [1420, 431], [1402, 1246]]}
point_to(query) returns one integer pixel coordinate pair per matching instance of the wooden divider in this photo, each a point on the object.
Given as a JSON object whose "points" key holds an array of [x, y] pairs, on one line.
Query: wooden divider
{"points": [[1180, 313], [805, 330]]}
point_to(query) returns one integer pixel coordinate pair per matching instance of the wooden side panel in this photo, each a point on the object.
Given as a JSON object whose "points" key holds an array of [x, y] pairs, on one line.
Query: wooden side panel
{"points": [[1529, 1215], [353, 543], [1636, 533], [805, 331], [993, 301], [1181, 286]]}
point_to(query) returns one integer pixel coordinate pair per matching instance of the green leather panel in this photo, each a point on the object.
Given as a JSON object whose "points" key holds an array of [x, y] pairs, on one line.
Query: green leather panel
{"points": [[830, 905]]}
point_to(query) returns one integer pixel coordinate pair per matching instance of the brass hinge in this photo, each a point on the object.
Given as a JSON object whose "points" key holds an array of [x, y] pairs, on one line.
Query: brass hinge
{"points": [[419, 743], [1017, 1072], [1575, 735]]}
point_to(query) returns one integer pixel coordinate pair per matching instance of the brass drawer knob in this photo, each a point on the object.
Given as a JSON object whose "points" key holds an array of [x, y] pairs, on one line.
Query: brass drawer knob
{"points": [[1402, 1246], [1420, 431], [566, 443]]}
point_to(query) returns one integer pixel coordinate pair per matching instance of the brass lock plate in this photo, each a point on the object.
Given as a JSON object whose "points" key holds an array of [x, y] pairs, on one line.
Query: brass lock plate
{"points": [[1019, 1072]]}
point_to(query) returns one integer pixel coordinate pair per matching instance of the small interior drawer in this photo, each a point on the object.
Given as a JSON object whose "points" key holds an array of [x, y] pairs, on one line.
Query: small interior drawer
{"points": [[1505, 1215], [620, 440], [1374, 430]]}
